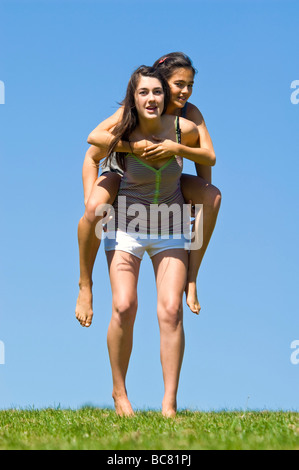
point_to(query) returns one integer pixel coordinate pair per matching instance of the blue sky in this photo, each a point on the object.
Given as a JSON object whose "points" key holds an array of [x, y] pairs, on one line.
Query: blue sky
{"points": [[65, 66]]}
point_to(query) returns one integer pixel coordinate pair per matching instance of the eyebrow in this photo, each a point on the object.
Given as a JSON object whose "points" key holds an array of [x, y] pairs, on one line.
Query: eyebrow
{"points": [[146, 89], [184, 81]]}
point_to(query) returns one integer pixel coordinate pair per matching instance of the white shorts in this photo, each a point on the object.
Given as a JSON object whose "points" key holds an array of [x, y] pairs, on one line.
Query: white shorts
{"points": [[122, 241]]}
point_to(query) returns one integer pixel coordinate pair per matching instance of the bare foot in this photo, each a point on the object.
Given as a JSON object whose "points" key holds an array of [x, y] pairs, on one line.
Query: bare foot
{"points": [[169, 413], [122, 405], [84, 311], [191, 297]]}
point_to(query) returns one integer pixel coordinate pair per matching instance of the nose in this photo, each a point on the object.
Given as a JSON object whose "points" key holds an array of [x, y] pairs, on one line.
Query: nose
{"points": [[151, 97]]}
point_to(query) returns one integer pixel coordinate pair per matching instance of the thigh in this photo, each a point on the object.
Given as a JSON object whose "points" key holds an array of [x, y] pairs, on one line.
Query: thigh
{"points": [[105, 189], [170, 268], [123, 271], [196, 189]]}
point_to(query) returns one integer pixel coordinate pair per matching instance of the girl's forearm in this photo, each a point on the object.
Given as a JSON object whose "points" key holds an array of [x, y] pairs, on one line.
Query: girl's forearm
{"points": [[197, 155], [103, 140], [91, 163]]}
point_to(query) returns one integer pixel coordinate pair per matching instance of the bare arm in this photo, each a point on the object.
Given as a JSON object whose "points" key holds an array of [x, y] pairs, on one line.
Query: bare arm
{"points": [[198, 147], [204, 139], [189, 148], [102, 135], [102, 139], [95, 154]]}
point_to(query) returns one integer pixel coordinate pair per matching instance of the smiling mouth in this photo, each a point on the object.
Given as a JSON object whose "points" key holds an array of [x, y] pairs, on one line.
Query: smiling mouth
{"points": [[151, 108]]}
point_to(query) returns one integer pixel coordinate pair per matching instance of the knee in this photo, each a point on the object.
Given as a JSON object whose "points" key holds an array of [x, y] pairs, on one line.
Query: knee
{"points": [[95, 210], [125, 310], [213, 197], [171, 314], [90, 210]]}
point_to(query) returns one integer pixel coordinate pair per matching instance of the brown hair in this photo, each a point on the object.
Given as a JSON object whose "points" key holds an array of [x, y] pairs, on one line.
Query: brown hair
{"points": [[129, 121], [168, 63]]}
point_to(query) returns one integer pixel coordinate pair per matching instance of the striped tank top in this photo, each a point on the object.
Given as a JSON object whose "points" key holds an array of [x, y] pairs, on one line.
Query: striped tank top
{"points": [[150, 200]]}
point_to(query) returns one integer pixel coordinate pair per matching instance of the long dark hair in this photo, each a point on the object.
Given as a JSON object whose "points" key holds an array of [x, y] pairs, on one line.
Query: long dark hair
{"points": [[129, 121], [168, 63]]}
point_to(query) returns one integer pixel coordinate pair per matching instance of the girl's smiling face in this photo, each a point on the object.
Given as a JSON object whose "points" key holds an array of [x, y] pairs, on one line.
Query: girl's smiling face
{"points": [[181, 85], [149, 97]]}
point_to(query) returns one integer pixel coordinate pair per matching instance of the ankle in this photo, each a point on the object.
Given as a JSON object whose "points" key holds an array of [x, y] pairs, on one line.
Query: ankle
{"points": [[119, 393], [85, 284], [169, 410], [169, 402], [191, 281]]}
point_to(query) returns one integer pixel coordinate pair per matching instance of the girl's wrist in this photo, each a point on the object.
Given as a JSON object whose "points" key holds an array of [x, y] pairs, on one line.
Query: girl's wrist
{"points": [[122, 146], [136, 147], [176, 148]]}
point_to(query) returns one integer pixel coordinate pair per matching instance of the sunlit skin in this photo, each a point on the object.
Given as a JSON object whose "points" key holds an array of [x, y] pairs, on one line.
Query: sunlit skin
{"points": [[149, 99], [154, 146], [181, 87], [170, 267], [104, 190]]}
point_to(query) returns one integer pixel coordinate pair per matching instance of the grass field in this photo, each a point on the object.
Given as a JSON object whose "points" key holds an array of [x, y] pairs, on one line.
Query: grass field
{"points": [[93, 428]]}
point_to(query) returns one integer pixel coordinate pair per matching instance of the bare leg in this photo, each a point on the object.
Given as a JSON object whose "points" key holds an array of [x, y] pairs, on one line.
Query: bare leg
{"points": [[171, 272], [199, 191], [123, 271], [104, 192]]}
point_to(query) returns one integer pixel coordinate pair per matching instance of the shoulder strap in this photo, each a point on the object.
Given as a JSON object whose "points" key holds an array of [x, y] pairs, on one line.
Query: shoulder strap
{"points": [[178, 130]]}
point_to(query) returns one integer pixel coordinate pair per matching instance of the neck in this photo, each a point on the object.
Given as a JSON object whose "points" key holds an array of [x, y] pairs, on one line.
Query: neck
{"points": [[149, 127], [172, 109]]}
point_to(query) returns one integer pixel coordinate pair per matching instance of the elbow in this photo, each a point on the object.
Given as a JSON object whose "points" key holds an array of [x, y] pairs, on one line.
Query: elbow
{"points": [[213, 159], [90, 139]]}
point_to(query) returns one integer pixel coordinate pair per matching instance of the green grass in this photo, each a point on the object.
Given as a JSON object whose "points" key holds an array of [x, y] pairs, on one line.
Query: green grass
{"points": [[93, 428]]}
